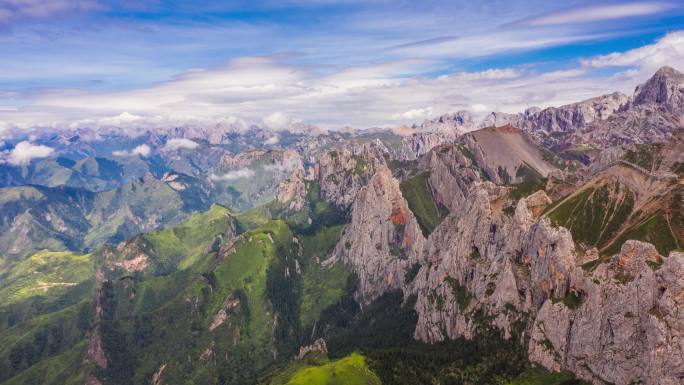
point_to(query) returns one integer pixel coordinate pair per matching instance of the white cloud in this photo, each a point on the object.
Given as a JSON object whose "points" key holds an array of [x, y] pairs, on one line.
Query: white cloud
{"points": [[669, 50], [598, 13], [142, 150], [416, 113], [232, 175], [25, 151], [277, 121], [180, 143], [478, 108], [272, 140], [271, 92]]}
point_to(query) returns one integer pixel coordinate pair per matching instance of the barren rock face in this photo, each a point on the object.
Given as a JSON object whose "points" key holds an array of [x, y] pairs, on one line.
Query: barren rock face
{"points": [[341, 174], [619, 320], [665, 89], [291, 188], [620, 332], [383, 238], [435, 132], [420, 143], [317, 346]]}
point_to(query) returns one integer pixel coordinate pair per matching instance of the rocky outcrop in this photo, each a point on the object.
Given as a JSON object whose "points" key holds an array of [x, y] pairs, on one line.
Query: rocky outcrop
{"points": [[500, 119], [317, 346], [418, 144], [383, 239], [224, 312], [610, 320], [627, 328], [341, 174], [452, 171], [566, 118], [665, 89], [435, 132], [650, 115], [291, 189], [243, 159], [573, 116], [157, 376], [451, 125]]}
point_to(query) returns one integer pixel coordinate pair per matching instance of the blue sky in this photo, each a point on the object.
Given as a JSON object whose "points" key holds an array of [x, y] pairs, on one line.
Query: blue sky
{"points": [[68, 63]]}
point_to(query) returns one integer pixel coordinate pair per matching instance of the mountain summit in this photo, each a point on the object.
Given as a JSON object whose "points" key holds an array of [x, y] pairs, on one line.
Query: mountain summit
{"points": [[664, 89]]}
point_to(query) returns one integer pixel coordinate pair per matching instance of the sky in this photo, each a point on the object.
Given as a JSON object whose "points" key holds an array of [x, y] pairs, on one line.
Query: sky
{"points": [[331, 63]]}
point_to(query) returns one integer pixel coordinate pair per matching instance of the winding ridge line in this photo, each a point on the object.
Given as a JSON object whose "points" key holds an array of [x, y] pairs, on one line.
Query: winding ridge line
{"points": [[660, 175]]}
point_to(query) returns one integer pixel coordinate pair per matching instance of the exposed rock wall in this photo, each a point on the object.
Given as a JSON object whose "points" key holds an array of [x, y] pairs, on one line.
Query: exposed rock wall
{"points": [[621, 322], [341, 174], [383, 239]]}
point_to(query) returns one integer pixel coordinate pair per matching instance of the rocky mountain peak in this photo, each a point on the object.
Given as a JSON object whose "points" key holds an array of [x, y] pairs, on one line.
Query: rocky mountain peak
{"points": [[452, 123], [665, 88]]}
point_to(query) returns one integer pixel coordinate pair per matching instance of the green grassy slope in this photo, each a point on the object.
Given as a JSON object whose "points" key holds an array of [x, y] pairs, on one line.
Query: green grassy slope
{"points": [[595, 214], [417, 193], [654, 229], [350, 370], [172, 319], [45, 312], [604, 216], [321, 286], [44, 274]]}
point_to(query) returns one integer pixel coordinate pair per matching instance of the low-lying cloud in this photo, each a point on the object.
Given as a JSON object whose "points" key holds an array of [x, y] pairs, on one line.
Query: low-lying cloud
{"points": [[232, 175], [142, 150], [24, 152], [272, 140], [180, 143]]}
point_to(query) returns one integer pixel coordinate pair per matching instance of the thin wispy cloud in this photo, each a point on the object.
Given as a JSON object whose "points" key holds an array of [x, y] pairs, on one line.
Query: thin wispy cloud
{"points": [[12, 11], [593, 13]]}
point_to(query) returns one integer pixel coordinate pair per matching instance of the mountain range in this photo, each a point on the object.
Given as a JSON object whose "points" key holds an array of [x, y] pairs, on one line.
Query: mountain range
{"points": [[544, 247]]}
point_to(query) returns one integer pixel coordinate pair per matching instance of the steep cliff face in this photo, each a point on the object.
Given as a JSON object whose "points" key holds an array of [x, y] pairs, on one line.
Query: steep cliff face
{"points": [[452, 170], [627, 328], [575, 115], [609, 319], [341, 174], [420, 143], [452, 125], [651, 115], [291, 189], [383, 239], [420, 139], [664, 89]]}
